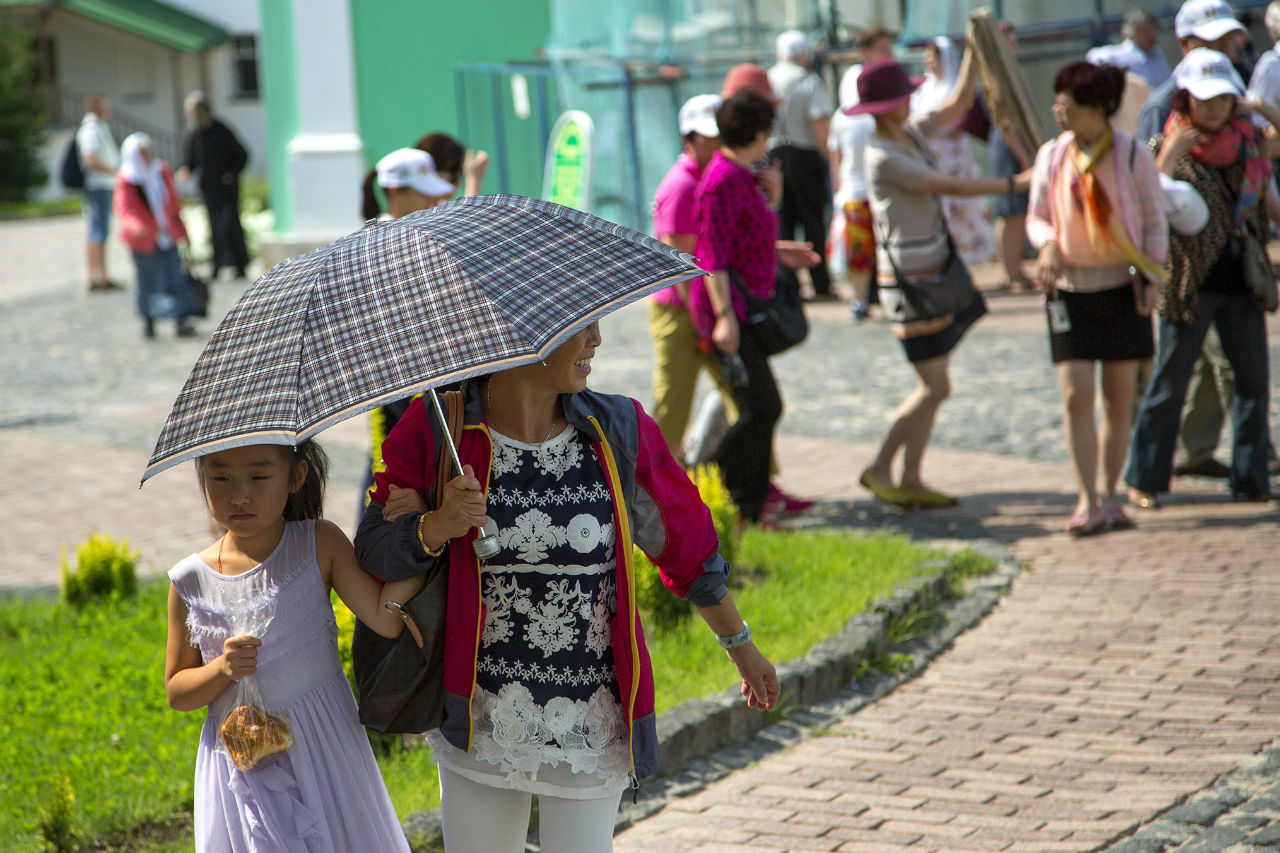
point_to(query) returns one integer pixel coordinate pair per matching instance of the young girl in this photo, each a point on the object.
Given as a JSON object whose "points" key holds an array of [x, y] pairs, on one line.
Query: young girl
{"points": [[324, 793]]}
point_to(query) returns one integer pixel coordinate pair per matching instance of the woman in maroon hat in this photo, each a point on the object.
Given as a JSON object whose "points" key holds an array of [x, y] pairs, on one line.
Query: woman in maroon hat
{"points": [[904, 183]]}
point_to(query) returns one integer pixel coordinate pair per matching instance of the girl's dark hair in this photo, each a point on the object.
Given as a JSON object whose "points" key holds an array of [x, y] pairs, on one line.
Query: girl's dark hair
{"points": [[1092, 85], [743, 115], [307, 504], [447, 153], [370, 206]]}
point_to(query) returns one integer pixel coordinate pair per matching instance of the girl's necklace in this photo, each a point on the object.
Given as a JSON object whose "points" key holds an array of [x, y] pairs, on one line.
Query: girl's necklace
{"points": [[488, 402], [221, 542]]}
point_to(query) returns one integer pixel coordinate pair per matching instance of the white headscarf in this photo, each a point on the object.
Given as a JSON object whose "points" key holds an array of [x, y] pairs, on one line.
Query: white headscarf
{"points": [[934, 90], [136, 170]]}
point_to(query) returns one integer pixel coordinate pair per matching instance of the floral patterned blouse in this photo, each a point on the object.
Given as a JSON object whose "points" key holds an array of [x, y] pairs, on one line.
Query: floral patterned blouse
{"points": [[548, 718]]}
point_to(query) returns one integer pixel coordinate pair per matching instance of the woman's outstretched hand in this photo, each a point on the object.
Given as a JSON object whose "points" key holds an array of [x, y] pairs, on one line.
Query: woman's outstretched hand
{"points": [[759, 678]]}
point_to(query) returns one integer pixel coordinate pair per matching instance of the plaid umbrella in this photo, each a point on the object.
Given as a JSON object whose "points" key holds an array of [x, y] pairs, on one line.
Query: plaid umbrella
{"points": [[467, 288]]}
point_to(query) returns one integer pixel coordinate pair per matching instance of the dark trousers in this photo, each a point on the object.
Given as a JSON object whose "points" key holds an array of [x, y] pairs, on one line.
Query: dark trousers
{"points": [[229, 249], [743, 454], [1243, 331], [804, 203]]}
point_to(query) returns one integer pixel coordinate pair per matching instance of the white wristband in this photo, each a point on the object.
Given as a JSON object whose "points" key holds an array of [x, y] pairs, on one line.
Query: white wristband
{"points": [[739, 639]]}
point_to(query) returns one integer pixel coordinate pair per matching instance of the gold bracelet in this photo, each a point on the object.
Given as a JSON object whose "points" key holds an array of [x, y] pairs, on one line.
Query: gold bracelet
{"points": [[430, 553]]}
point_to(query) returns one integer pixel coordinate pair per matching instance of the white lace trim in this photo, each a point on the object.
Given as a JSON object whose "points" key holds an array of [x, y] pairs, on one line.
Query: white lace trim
{"points": [[554, 624], [533, 535], [548, 673], [519, 736]]}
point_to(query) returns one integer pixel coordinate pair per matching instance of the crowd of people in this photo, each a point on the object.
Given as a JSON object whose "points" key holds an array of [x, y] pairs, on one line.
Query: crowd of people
{"points": [[1117, 269]]}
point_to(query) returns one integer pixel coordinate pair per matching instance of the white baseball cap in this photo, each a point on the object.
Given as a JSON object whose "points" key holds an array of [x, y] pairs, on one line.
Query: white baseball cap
{"points": [[1208, 20], [698, 115], [1183, 206], [1206, 73], [409, 167]]}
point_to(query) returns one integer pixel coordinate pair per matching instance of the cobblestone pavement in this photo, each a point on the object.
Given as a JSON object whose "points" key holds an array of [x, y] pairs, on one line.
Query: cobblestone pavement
{"points": [[1119, 678]]}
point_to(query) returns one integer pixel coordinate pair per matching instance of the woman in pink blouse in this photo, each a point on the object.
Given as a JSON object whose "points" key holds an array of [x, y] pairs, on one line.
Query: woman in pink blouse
{"points": [[737, 233], [1096, 215]]}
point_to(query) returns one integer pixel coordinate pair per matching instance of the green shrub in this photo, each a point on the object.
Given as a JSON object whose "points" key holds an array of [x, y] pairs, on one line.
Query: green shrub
{"points": [[57, 821], [660, 609], [254, 190], [105, 569]]}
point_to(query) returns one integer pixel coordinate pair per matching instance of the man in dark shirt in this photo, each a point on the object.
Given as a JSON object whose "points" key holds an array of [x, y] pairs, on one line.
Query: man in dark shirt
{"points": [[216, 154]]}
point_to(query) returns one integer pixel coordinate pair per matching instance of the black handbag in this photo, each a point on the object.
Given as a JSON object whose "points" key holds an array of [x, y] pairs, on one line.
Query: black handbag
{"points": [[778, 321], [1259, 275], [934, 295], [400, 682]]}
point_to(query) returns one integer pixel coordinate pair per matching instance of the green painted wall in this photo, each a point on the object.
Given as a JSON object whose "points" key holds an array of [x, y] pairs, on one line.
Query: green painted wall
{"points": [[406, 51], [280, 96]]}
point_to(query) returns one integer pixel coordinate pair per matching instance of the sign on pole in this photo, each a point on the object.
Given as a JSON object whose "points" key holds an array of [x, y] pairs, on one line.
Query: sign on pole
{"points": [[567, 177]]}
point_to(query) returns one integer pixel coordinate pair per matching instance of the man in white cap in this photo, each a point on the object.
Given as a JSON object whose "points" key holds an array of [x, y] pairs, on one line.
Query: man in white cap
{"points": [[677, 360], [1199, 23], [799, 146]]}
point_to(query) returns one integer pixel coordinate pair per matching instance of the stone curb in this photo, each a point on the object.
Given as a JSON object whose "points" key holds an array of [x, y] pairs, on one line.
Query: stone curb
{"points": [[821, 686], [1240, 811], [704, 740]]}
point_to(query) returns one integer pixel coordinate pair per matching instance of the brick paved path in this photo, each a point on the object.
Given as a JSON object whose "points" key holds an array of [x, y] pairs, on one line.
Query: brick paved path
{"points": [[1119, 675]]}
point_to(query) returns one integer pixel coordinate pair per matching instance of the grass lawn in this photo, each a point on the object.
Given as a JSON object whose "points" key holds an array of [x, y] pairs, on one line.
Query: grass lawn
{"points": [[37, 209], [83, 696]]}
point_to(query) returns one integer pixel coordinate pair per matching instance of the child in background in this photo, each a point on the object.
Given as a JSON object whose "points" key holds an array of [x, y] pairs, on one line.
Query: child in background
{"points": [[325, 792]]}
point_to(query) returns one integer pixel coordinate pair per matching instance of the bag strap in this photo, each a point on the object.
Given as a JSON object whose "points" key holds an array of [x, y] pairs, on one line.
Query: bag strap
{"points": [[452, 403]]}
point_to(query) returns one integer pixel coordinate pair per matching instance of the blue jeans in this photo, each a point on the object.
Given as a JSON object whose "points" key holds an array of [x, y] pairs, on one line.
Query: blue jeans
{"points": [[97, 211], [1243, 331], [162, 285]]}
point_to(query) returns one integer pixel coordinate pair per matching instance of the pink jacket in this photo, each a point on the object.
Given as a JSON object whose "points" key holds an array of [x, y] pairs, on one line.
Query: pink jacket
{"points": [[655, 507], [1139, 205], [138, 227]]}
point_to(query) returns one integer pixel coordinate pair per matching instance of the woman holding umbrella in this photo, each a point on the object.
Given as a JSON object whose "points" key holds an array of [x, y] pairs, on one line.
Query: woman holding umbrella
{"points": [[548, 685]]}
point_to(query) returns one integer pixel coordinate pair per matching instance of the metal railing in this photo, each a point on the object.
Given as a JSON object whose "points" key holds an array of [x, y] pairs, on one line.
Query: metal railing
{"points": [[66, 109]]}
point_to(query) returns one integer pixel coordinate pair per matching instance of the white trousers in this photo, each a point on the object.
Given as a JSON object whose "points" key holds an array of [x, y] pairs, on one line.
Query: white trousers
{"points": [[480, 819]]}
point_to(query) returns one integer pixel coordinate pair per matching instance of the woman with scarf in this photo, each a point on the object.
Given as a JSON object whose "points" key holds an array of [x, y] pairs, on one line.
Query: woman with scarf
{"points": [[1095, 213], [147, 205], [1209, 142], [969, 219]]}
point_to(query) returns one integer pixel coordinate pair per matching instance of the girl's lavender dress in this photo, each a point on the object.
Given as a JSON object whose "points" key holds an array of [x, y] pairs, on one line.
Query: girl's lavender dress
{"points": [[325, 793]]}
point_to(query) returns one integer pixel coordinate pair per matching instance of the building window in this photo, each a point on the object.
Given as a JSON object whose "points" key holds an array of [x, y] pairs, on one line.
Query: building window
{"points": [[244, 67]]}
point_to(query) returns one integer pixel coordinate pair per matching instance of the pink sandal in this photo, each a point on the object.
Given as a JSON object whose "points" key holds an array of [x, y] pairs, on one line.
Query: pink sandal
{"points": [[1116, 518], [1086, 523]]}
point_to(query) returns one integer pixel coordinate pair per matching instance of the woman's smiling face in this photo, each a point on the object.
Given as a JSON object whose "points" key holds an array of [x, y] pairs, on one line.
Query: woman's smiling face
{"points": [[569, 366]]}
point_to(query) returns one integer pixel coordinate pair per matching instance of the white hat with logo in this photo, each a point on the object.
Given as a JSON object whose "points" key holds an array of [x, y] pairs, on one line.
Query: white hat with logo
{"points": [[1207, 20], [409, 167], [698, 115], [1206, 73]]}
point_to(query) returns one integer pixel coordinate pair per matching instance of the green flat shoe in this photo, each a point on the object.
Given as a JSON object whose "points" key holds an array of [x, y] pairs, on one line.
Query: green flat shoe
{"points": [[883, 492], [927, 498]]}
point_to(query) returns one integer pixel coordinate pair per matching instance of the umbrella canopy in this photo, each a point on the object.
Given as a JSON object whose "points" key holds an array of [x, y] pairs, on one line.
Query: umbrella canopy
{"points": [[466, 288]]}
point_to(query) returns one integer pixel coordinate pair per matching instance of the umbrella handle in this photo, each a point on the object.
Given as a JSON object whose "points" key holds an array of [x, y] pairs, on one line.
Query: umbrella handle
{"points": [[486, 544]]}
